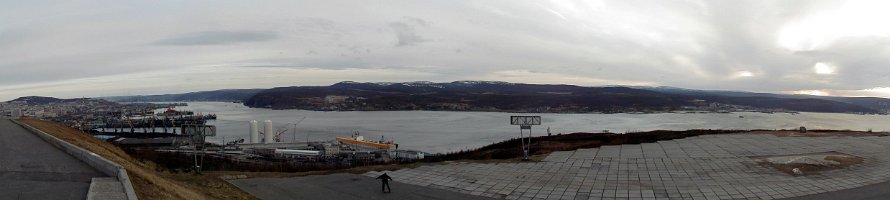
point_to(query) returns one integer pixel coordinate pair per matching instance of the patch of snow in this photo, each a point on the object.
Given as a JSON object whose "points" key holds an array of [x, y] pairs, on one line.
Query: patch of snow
{"points": [[482, 82]]}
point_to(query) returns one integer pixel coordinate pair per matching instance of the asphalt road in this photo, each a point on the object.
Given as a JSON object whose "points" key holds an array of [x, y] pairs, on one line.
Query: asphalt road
{"points": [[31, 168], [340, 186]]}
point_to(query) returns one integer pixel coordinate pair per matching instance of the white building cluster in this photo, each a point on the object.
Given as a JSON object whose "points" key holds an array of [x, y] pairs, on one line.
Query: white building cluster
{"points": [[23, 107], [77, 113]]}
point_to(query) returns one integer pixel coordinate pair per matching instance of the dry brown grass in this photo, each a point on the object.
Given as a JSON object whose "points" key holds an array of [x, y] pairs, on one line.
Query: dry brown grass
{"points": [[148, 180]]}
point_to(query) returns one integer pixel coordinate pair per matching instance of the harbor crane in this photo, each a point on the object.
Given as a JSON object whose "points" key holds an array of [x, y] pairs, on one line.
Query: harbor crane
{"points": [[283, 129]]}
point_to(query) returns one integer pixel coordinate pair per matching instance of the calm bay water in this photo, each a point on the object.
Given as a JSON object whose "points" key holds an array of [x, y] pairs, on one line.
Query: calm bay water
{"points": [[438, 131]]}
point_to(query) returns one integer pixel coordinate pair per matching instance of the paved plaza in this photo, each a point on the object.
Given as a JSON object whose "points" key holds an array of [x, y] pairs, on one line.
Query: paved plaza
{"points": [[702, 167], [341, 186]]}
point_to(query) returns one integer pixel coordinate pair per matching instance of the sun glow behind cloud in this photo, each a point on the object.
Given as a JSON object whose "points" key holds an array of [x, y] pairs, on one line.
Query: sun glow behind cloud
{"points": [[824, 69], [854, 18], [879, 89], [744, 74], [871, 92], [812, 92]]}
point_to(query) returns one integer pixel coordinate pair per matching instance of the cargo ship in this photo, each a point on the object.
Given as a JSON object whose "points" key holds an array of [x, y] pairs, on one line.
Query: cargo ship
{"points": [[360, 141]]}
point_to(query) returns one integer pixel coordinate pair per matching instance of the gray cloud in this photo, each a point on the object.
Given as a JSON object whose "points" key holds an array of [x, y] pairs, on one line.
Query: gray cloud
{"points": [[683, 43], [416, 20], [406, 35], [217, 38]]}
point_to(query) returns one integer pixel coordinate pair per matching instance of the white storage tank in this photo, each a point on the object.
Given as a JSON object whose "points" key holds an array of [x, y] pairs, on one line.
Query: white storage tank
{"points": [[254, 132], [269, 132]]}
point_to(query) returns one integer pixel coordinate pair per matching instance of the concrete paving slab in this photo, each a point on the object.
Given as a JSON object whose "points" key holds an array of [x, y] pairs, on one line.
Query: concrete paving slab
{"points": [[878, 191], [703, 167], [106, 188], [342, 186]]}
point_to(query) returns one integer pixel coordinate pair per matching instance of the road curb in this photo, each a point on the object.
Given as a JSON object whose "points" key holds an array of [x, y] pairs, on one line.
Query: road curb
{"points": [[105, 166]]}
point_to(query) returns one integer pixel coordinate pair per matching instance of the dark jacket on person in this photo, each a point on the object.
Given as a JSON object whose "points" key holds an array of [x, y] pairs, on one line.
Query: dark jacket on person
{"points": [[385, 178]]}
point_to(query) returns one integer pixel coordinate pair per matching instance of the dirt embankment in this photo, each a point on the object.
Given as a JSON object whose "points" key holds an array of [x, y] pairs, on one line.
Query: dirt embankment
{"points": [[149, 180], [809, 164]]}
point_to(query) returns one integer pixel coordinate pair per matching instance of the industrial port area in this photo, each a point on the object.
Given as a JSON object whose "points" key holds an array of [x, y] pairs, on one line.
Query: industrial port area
{"points": [[159, 128], [262, 144], [262, 161]]}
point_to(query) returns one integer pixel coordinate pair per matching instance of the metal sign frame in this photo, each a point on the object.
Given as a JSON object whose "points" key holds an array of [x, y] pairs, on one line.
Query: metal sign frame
{"points": [[525, 123], [525, 120]]}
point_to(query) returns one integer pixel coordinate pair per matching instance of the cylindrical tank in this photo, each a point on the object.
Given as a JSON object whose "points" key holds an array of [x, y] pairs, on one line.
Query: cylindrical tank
{"points": [[254, 132], [269, 132]]}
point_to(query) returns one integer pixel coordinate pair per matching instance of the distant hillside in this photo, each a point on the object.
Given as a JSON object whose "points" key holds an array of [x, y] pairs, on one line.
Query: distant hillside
{"points": [[230, 95], [874, 103], [37, 100], [464, 96], [514, 97], [517, 97]]}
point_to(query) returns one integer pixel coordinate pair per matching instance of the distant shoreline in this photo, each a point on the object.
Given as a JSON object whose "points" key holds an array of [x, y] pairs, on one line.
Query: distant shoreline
{"points": [[521, 112]]}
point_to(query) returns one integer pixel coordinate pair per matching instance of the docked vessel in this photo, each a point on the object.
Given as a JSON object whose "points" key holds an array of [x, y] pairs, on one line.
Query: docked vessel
{"points": [[360, 141]]}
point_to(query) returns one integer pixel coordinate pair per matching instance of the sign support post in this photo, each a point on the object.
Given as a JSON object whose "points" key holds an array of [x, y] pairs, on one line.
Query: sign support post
{"points": [[525, 123]]}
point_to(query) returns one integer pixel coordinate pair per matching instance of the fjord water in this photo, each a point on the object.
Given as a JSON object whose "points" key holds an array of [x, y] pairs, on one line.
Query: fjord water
{"points": [[441, 131]]}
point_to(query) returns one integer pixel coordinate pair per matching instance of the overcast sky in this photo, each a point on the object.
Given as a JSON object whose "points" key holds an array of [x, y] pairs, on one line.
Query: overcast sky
{"points": [[99, 48]]}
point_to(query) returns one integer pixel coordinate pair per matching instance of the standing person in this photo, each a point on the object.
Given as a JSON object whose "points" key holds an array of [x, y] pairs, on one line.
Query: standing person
{"points": [[385, 178]]}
